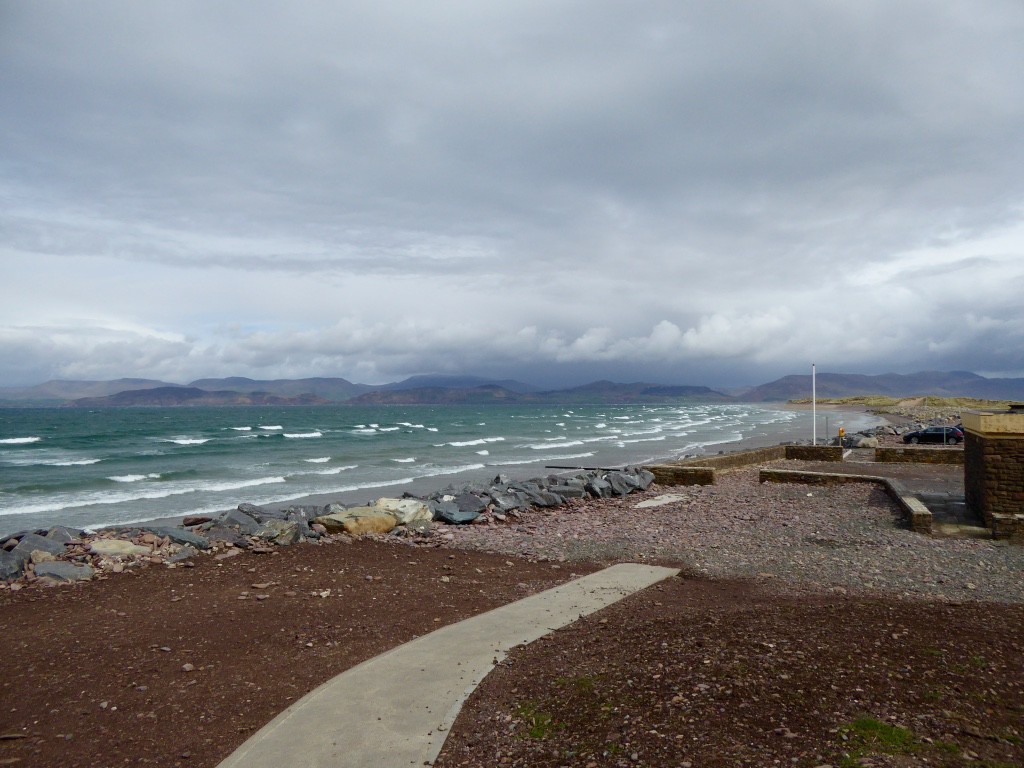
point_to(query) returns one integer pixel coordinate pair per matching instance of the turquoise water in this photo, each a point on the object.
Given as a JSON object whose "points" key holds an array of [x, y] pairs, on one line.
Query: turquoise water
{"points": [[87, 468]]}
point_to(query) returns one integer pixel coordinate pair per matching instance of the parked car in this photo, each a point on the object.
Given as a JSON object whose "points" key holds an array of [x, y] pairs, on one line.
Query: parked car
{"points": [[946, 435]]}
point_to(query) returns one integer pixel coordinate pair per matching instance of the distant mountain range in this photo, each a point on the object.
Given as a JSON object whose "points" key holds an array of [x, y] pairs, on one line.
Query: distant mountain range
{"points": [[936, 383], [425, 390]]}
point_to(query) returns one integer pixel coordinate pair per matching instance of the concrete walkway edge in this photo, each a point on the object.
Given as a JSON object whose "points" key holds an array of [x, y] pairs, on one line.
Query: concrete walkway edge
{"points": [[396, 708]]}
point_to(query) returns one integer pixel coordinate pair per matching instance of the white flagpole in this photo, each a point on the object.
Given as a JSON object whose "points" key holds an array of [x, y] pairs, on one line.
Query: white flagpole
{"points": [[814, 407]]}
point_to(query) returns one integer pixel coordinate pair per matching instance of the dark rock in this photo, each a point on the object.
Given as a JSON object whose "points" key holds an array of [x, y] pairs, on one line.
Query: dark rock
{"points": [[191, 521], [599, 488], [61, 571], [643, 477], [449, 512], [227, 535], [64, 535], [11, 566], [568, 491], [179, 536], [33, 541], [251, 510], [622, 483], [244, 522], [185, 553], [468, 503], [506, 501]]}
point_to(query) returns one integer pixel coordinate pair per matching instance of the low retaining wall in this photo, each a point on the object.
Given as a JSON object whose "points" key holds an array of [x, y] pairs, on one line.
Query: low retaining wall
{"points": [[917, 515], [701, 470], [919, 456], [677, 474], [738, 459], [1008, 527], [814, 452]]}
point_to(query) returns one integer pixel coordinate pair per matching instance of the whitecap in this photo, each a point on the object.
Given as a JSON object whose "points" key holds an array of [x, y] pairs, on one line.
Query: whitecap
{"points": [[483, 453], [336, 470], [242, 429], [602, 425], [321, 460], [431, 429], [134, 478], [388, 429], [554, 446], [75, 462], [481, 441], [303, 434], [405, 461], [19, 440], [272, 428], [188, 440], [365, 431]]}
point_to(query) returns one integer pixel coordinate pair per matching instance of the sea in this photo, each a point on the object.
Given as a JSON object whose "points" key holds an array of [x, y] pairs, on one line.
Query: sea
{"points": [[92, 468]]}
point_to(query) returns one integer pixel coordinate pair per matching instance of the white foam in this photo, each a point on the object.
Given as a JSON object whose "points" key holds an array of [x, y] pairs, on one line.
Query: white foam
{"points": [[321, 460], [431, 429], [336, 470], [242, 429], [272, 428], [19, 440], [483, 453], [388, 429], [188, 440], [555, 446], [102, 499], [73, 463], [600, 425], [513, 462], [303, 434], [405, 461], [481, 441], [134, 478], [364, 431]]}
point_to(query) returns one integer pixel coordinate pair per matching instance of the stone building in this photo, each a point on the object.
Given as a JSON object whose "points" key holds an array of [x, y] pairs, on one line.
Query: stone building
{"points": [[994, 469]]}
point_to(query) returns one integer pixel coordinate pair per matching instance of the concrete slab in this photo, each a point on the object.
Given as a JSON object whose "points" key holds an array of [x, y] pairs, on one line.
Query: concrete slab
{"points": [[396, 709]]}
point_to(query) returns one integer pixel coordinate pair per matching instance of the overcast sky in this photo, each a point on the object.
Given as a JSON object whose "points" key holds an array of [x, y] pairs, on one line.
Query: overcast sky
{"points": [[698, 193]]}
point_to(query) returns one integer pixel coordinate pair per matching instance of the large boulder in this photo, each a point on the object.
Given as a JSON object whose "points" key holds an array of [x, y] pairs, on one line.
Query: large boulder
{"points": [[281, 532], [867, 442], [405, 511], [32, 542], [369, 522], [449, 512], [244, 522], [11, 566], [117, 548], [469, 503]]}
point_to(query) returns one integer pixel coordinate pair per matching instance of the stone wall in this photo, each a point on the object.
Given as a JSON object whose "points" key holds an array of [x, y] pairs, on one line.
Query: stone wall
{"points": [[919, 455], [739, 458], [679, 474], [814, 452], [994, 475]]}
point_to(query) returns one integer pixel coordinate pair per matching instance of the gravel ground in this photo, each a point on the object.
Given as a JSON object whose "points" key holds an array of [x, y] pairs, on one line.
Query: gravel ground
{"points": [[843, 538]]}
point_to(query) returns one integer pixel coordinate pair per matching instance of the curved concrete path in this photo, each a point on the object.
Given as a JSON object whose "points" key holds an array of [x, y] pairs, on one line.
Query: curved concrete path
{"points": [[395, 709]]}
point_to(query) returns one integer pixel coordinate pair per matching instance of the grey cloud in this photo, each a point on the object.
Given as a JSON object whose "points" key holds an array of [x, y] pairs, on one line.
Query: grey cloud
{"points": [[351, 187]]}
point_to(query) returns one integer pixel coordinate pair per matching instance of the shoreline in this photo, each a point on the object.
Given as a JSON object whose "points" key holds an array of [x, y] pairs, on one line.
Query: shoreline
{"points": [[760, 436], [423, 486]]}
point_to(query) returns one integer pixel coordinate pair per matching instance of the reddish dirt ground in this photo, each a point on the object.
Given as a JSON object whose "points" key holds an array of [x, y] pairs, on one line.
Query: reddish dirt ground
{"points": [[95, 674]]}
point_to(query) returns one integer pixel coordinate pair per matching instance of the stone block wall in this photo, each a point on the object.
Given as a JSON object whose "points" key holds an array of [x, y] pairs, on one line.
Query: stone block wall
{"points": [[814, 452], [738, 459], [920, 455], [678, 474], [994, 475]]}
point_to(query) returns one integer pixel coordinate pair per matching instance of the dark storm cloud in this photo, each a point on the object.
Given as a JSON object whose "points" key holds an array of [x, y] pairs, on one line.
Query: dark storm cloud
{"points": [[715, 189]]}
